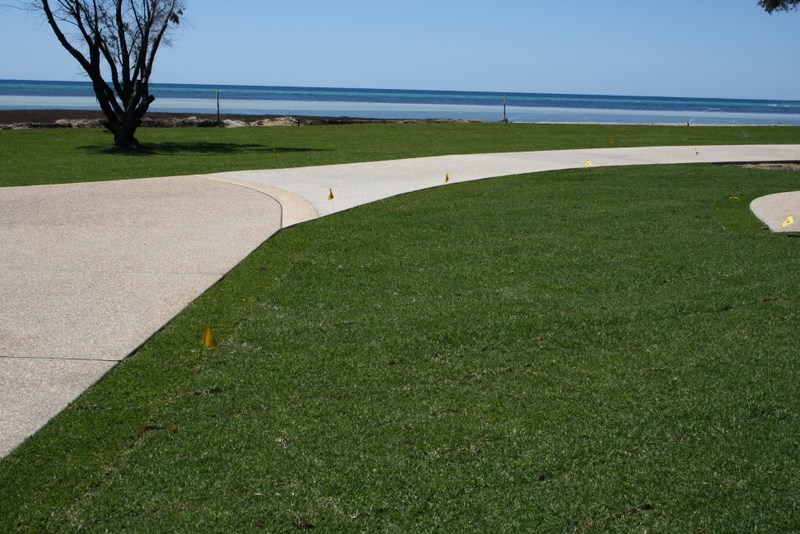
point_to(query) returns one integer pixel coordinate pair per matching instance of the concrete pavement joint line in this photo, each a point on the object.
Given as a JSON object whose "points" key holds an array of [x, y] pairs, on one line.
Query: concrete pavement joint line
{"points": [[109, 271], [246, 186], [152, 238], [52, 358], [301, 209]]}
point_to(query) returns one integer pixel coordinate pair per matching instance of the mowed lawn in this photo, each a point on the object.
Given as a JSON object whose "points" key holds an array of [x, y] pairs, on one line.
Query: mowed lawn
{"points": [[29, 157], [606, 349]]}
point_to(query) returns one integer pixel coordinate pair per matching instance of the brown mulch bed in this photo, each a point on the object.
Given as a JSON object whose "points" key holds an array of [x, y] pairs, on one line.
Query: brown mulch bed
{"points": [[770, 165]]}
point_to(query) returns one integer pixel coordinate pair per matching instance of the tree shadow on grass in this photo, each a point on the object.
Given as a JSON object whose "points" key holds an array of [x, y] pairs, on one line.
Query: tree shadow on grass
{"points": [[205, 148]]}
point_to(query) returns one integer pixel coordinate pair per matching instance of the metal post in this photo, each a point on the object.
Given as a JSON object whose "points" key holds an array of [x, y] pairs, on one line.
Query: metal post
{"points": [[218, 121]]}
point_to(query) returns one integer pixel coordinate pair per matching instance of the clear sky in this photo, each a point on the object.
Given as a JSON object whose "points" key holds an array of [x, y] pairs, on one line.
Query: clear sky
{"points": [[695, 48]]}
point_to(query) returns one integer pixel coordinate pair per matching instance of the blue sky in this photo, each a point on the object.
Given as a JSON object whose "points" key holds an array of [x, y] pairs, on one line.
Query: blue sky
{"points": [[699, 48]]}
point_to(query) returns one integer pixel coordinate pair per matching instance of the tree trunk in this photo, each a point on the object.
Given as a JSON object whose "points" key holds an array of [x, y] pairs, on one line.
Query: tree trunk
{"points": [[124, 125], [124, 133]]}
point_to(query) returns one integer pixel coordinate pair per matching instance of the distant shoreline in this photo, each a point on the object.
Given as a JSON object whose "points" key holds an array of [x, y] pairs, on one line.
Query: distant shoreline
{"points": [[19, 119], [271, 105], [77, 118]]}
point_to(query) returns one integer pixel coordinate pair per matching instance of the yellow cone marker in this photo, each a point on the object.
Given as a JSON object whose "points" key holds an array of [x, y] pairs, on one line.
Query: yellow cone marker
{"points": [[330, 194], [588, 163], [788, 222], [208, 338], [446, 177]]}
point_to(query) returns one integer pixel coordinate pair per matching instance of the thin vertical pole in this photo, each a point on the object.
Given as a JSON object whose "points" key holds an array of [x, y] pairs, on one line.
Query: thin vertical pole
{"points": [[218, 121]]}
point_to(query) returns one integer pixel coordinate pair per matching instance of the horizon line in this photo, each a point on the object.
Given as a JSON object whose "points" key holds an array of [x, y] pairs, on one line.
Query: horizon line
{"points": [[443, 91]]}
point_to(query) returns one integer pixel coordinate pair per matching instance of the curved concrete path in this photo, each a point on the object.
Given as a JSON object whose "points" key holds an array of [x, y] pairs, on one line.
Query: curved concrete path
{"points": [[780, 212], [88, 272], [360, 183]]}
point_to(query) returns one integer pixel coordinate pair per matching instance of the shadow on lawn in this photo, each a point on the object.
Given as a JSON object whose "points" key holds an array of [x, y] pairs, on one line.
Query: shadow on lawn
{"points": [[170, 148]]}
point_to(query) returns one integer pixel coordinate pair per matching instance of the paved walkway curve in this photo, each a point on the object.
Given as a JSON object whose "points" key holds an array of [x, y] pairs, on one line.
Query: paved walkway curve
{"points": [[138, 251], [360, 183], [88, 272]]}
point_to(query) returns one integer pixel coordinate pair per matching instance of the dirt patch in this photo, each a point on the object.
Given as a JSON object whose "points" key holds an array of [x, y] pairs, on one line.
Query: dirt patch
{"points": [[777, 166]]}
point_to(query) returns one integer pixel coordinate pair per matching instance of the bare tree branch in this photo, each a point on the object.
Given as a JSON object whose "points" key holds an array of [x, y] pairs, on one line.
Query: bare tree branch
{"points": [[118, 39], [778, 5]]}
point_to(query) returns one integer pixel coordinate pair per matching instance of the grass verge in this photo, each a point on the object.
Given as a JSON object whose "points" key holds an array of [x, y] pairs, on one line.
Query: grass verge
{"points": [[594, 350]]}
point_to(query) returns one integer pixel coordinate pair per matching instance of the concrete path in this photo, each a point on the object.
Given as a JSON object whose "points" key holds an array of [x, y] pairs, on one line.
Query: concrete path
{"points": [[360, 183], [780, 212], [88, 272]]}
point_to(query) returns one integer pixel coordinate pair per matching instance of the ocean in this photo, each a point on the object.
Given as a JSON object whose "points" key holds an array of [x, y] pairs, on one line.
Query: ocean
{"points": [[415, 104]]}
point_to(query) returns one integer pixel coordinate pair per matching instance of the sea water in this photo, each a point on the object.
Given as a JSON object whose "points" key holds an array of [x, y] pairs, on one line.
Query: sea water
{"points": [[414, 104]]}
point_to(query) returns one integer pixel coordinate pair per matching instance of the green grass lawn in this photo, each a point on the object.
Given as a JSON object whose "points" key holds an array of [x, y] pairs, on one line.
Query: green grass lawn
{"points": [[611, 349], [30, 157]]}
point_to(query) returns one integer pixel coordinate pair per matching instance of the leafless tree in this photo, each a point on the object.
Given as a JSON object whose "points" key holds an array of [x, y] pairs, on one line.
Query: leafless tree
{"points": [[778, 5], [115, 42]]}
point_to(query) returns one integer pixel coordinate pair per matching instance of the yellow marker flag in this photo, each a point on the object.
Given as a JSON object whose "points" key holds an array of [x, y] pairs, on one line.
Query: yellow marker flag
{"points": [[588, 163], [208, 338], [446, 177], [330, 194], [788, 222]]}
